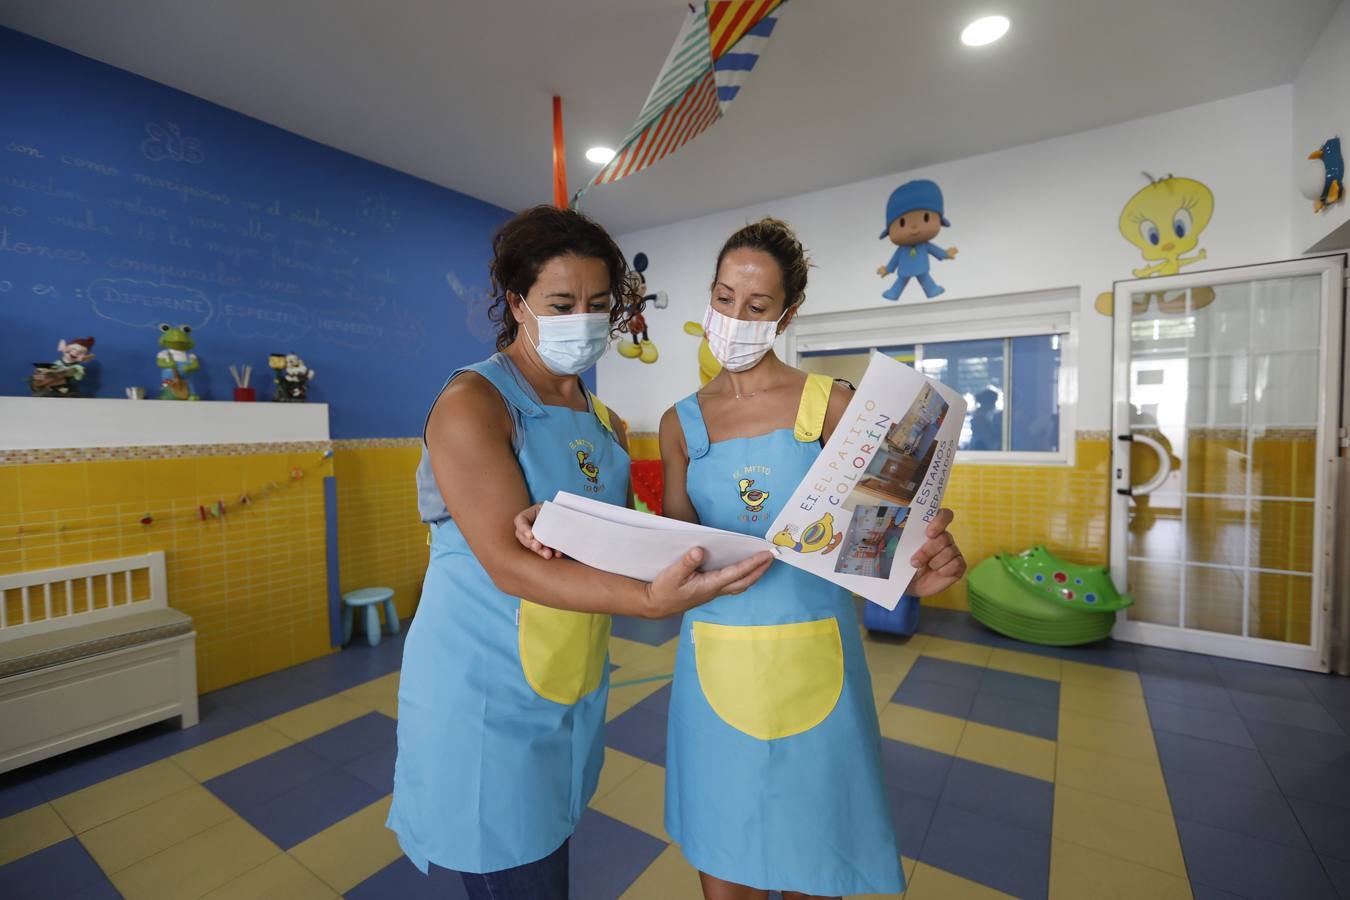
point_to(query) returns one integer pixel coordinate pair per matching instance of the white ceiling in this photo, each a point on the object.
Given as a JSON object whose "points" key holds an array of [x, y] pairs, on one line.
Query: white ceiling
{"points": [[459, 93]]}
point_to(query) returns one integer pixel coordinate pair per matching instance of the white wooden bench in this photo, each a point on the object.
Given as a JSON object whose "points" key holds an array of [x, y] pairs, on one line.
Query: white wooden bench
{"points": [[90, 651]]}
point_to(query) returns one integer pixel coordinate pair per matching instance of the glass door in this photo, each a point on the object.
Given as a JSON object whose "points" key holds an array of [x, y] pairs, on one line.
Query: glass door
{"points": [[1225, 405]]}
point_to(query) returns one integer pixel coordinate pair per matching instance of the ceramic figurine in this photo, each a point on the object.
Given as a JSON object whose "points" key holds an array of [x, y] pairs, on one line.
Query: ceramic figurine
{"points": [[62, 378], [292, 377], [177, 359]]}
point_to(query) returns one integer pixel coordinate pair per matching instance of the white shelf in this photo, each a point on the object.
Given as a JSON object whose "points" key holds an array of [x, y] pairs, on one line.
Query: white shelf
{"points": [[41, 423]]}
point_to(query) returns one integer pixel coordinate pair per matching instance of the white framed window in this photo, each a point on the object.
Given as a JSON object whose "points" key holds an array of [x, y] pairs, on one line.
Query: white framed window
{"points": [[1014, 357]]}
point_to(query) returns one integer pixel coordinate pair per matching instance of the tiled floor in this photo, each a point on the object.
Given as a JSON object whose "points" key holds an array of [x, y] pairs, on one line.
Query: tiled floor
{"points": [[1109, 771]]}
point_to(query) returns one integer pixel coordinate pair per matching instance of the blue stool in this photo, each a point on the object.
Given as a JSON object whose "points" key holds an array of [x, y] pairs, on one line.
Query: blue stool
{"points": [[370, 598]]}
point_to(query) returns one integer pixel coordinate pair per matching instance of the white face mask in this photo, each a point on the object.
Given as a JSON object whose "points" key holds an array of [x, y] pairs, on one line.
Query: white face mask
{"points": [[570, 344], [739, 343]]}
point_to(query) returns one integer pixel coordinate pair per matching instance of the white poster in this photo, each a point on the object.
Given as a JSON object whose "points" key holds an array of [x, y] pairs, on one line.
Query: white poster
{"points": [[856, 519]]}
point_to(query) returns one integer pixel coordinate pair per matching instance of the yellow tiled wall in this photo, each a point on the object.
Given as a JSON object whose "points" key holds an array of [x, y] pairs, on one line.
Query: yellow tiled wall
{"points": [[1002, 509], [254, 581], [381, 540]]}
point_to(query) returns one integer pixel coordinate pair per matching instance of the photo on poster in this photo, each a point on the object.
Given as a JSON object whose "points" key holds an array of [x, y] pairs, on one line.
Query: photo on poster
{"points": [[872, 539], [894, 474]]}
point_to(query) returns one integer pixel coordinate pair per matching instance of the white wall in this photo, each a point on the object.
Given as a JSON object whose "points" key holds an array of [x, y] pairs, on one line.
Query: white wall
{"points": [[1322, 110], [1031, 218]]}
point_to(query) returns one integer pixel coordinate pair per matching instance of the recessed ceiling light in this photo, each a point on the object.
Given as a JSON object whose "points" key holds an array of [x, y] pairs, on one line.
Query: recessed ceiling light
{"points": [[984, 31], [599, 155]]}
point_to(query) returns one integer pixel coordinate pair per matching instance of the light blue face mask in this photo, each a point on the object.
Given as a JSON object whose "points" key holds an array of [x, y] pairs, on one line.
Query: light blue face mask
{"points": [[570, 344]]}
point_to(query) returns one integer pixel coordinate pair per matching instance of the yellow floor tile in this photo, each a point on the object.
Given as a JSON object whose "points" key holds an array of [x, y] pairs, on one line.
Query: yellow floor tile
{"points": [[922, 728], [118, 796], [1104, 704], [200, 864], [1011, 750], [639, 801], [30, 831], [957, 651], [1077, 872], [617, 768], [625, 697], [669, 877], [624, 652], [224, 754], [1127, 780], [1106, 736], [346, 854], [375, 694], [279, 877], [932, 883], [317, 717], [1120, 829], [1025, 664], [129, 839], [1102, 678]]}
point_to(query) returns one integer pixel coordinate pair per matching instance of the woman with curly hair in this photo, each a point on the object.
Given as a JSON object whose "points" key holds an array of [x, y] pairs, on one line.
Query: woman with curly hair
{"points": [[502, 698]]}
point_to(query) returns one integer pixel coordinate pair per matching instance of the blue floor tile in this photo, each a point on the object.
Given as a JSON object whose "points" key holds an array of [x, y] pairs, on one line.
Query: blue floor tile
{"points": [[375, 769], [1284, 711], [302, 812], [1301, 743], [640, 733], [1212, 800], [1327, 827], [914, 769], [658, 702], [58, 871], [1181, 754], [1211, 725], [608, 856], [928, 668], [1338, 870], [1320, 782], [1251, 867], [1005, 857], [1110, 653], [275, 774], [16, 796], [1254, 678], [354, 739], [1000, 795], [948, 699], [402, 880], [1205, 892], [647, 631], [912, 816], [1185, 691], [1020, 687], [1015, 715], [100, 890], [1176, 664]]}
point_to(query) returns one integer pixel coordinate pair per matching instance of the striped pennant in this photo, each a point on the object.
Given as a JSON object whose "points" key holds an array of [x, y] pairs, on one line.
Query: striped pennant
{"points": [[716, 48]]}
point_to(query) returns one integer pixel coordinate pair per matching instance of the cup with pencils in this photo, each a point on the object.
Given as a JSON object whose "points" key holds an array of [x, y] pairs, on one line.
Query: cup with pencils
{"points": [[242, 392]]}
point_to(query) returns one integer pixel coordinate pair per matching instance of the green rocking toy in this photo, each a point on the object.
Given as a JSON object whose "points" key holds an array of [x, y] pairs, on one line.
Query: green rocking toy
{"points": [[1037, 598]]}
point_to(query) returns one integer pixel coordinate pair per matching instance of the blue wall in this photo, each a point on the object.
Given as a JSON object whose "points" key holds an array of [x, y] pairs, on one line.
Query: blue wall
{"points": [[124, 203]]}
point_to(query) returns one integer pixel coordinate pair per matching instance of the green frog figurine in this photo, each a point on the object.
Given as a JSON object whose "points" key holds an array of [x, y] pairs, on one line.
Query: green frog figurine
{"points": [[177, 359]]}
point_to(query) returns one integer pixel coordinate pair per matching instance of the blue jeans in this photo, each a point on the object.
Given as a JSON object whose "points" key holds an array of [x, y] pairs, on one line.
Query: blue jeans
{"points": [[544, 879]]}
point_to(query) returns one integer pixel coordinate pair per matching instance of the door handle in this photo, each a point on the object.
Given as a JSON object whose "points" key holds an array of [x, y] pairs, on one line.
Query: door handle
{"points": [[1164, 466]]}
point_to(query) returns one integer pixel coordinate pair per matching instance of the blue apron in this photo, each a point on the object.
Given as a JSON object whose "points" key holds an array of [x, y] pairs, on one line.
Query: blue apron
{"points": [[773, 773], [501, 702]]}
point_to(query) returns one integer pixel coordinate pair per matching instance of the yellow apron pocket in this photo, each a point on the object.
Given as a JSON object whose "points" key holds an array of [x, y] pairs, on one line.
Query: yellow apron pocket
{"points": [[562, 652], [770, 681]]}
